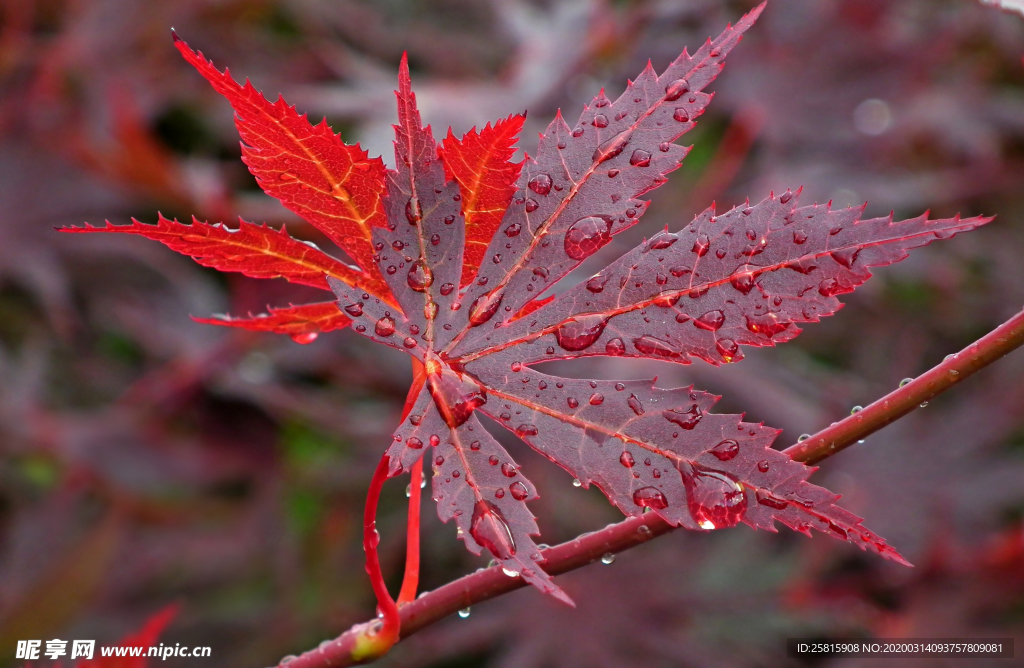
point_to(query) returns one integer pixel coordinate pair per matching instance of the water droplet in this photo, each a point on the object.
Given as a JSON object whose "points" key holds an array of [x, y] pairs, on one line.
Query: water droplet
{"points": [[288, 176], [456, 398], [648, 345], [766, 324], [577, 132], [799, 237], [676, 89], [763, 466], [681, 115], [484, 307], [519, 491], [540, 184], [715, 499], [728, 349], [513, 230], [608, 559], [770, 500], [586, 236], [845, 256], [686, 419], [615, 347], [626, 459], [786, 196], [644, 530], [409, 342], [446, 289], [493, 460], [464, 613], [600, 121], [510, 572], [829, 287], [414, 443], [640, 158], [385, 326], [667, 299], [701, 245], [924, 404], [509, 469], [635, 404], [726, 450], [650, 497], [576, 482], [531, 205], [596, 399], [413, 211], [354, 310], [499, 493], [596, 284], [803, 437], [856, 409], [304, 338], [712, 320], [573, 402], [744, 282], [526, 430], [489, 528], [581, 332]]}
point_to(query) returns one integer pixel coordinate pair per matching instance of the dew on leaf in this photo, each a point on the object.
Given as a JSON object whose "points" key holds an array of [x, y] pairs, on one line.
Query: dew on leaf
{"points": [[586, 236]]}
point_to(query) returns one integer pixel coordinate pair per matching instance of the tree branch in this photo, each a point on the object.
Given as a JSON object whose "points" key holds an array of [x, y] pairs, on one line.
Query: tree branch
{"points": [[492, 582]]}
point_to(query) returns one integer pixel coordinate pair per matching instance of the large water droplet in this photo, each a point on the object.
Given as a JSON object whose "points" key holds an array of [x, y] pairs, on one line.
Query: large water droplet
{"points": [[420, 276], [596, 284], [540, 184], [513, 230], [489, 528], [456, 398], [484, 307], [526, 430], [676, 89], [687, 419], [701, 245], [767, 324], [681, 115], [305, 338], [385, 326], [509, 469], [726, 450], [413, 211], [608, 559], [596, 399], [712, 320], [743, 282], [715, 499], [648, 345], [768, 499], [626, 459], [829, 287], [667, 299], [650, 497], [728, 349], [586, 236], [600, 121], [640, 158], [615, 347], [581, 332], [464, 613], [634, 403], [354, 310], [845, 256], [519, 491], [611, 148]]}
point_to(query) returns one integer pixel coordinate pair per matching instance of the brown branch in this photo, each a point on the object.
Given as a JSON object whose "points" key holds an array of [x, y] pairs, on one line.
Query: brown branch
{"points": [[492, 582]]}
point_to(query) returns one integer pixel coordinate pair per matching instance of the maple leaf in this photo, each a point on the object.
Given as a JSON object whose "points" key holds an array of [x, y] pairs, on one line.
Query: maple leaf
{"points": [[480, 163], [745, 277], [333, 185], [477, 317]]}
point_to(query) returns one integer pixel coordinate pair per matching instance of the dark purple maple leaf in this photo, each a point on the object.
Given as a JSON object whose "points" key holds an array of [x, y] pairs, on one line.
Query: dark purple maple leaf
{"points": [[745, 277]]}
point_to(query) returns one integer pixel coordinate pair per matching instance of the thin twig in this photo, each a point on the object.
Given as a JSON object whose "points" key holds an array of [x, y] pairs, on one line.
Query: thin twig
{"points": [[491, 582]]}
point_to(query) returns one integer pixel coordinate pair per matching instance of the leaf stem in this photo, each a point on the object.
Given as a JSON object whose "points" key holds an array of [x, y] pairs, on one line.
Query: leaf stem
{"points": [[492, 582], [898, 403], [411, 580]]}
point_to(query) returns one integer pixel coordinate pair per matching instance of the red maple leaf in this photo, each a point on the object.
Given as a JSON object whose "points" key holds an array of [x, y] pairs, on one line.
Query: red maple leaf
{"points": [[476, 318]]}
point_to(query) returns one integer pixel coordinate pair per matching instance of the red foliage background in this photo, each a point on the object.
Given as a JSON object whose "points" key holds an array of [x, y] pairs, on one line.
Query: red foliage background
{"points": [[145, 458]]}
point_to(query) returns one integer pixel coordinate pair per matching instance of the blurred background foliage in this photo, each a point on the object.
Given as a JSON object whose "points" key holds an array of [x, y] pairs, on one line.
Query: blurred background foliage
{"points": [[146, 459]]}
